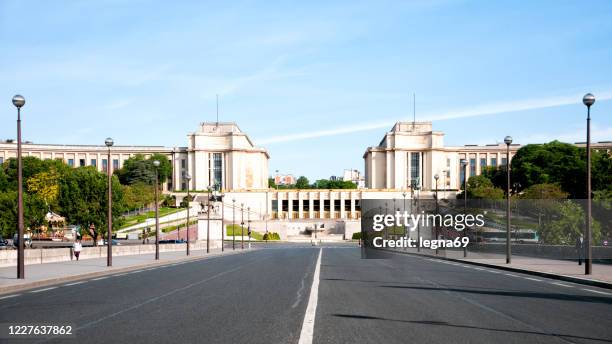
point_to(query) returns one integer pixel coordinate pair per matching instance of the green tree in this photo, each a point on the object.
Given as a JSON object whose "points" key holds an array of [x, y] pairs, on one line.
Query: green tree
{"points": [[567, 225], [302, 183], [137, 169], [84, 201], [138, 195]]}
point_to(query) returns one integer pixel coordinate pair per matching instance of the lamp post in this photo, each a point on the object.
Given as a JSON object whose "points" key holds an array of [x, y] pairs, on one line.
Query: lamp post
{"points": [[233, 224], [220, 195], [249, 225], [156, 164], [404, 210], [19, 102], [444, 182], [242, 226], [417, 187], [436, 177], [463, 163], [109, 249], [588, 100], [178, 231], [208, 219], [508, 141]]}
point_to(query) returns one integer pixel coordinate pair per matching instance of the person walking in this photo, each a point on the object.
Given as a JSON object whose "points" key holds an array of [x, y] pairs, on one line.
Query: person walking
{"points": [[77, 247], [579, 248]]}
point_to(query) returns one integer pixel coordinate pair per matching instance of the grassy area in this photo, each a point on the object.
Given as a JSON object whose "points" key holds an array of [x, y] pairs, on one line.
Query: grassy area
{"points": [[229, 230], [138, 219], [173, 228]]}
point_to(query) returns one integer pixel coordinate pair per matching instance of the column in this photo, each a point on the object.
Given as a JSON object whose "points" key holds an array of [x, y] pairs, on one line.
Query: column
{"points": [[289, 205], [342, 210], [332, 199], [353, 215], [300, 205], [321, 205], [310, 205]]}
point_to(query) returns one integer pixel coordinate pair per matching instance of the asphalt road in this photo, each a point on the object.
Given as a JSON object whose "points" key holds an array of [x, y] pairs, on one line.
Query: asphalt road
{"points": [[262, 296]]}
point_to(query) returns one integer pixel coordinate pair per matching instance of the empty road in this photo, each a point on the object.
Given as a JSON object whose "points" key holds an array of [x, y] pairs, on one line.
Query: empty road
{"points": [[265, 296]]}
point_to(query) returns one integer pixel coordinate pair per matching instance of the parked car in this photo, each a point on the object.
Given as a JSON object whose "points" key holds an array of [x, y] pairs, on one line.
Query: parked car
{"points": [[114, 242]]}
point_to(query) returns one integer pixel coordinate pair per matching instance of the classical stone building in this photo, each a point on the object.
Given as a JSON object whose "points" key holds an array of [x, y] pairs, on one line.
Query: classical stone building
{"points": [[217, 153]]}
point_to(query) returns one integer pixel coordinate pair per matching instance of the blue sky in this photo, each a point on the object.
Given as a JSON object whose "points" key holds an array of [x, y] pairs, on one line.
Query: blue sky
{"points": [[313, 82]]}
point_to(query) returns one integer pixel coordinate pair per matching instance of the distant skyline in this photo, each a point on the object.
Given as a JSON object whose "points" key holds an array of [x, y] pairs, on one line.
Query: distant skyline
{"points": [[314, 83]]}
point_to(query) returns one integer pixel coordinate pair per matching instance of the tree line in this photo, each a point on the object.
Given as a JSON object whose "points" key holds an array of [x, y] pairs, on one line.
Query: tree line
{"points": [[78, 194], [548, 183]]}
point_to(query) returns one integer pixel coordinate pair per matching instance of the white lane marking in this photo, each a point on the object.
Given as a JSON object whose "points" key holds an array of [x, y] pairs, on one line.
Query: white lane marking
{"points": [[307, 333], [563, 285], [511, 275], [8, 296], [41, 290], [597, 291], [172, 292], [478, 269], [123, 274], [74, 283], [99, 278], [533, 279]]}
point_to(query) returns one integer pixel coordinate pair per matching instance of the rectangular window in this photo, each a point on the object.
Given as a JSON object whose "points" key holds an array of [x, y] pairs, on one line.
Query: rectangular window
{"points": [[472, 167], [461, 175], [494, 162], [1, 160], [504, 161], [81, 162], [483, 164], [104, 164], [94, 162], [115, 164], [183, 163], [415, 168], [71, 162], [217, 169]]}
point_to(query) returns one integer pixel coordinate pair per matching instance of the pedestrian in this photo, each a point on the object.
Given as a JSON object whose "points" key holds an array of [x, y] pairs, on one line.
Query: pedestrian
{"points": [[579, 246], [77, 246]]}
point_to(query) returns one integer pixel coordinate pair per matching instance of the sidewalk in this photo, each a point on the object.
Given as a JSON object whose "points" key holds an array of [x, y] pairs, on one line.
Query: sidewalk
{"points": [[560, 269], [38, 275]]}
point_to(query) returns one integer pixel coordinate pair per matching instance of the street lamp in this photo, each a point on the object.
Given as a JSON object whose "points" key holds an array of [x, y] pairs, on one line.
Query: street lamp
{"points": [[109, 255], [242, 226], [436, 177], [508, 141], [208, 208], [19, 102], [233, 224], [404, 206], [178, 231], [275, 180], [217, 196], [156, 165], [464, 164], [588, 100], [249, 225]]}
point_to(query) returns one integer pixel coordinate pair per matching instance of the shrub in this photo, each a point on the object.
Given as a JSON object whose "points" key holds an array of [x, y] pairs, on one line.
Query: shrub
{"points": [[357, 236]]}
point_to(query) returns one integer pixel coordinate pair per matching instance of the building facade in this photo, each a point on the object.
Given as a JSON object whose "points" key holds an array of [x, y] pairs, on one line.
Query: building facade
{"points": [[217, 154]]}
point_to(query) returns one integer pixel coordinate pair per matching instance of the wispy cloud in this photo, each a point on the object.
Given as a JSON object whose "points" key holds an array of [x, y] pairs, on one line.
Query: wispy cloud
{"points": [[480, 110]]}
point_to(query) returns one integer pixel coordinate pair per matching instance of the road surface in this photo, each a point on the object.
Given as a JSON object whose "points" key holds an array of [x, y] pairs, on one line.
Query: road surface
{"points": [[264, 296]]}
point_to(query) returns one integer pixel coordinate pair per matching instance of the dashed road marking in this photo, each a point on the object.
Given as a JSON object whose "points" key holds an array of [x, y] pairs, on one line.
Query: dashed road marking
{"points": [[511, 275], [9, 296], [597, 291], [563, 285], [533, 279], [74, 283], [99, 278], [41, 290]]}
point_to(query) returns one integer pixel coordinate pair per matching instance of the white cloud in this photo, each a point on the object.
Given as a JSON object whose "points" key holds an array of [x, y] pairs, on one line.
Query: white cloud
{"points": [[480, 110]]}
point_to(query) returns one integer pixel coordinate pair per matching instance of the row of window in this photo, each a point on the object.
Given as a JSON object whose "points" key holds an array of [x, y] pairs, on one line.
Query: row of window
{"points": [[94, 162], [327, 205], [483, 165]]}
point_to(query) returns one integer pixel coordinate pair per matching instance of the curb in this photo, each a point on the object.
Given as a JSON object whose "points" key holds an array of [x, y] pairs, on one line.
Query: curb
{"points": [[584, 281], [53, 281]]}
